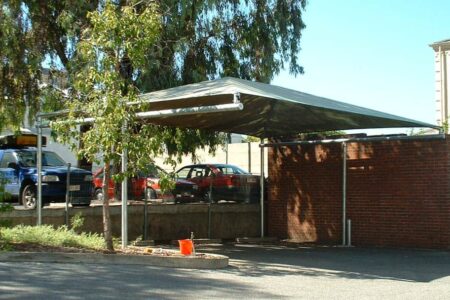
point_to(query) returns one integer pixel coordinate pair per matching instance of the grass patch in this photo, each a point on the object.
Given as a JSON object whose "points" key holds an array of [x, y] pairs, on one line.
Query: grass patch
{"points": [[46, 235]]}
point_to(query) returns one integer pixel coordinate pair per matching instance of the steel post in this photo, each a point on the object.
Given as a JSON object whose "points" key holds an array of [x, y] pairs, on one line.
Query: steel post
{"points": [[250, 157], [124, 192], [261, 184], [344, 192], [66, 207], [39, 172], [145, 237]]}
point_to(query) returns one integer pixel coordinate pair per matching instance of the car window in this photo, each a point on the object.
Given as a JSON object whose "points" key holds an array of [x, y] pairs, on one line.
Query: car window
{"points": [[197, 172], [183, 173], [231, 170], [7, 158], [51, 159], [227, 170]]}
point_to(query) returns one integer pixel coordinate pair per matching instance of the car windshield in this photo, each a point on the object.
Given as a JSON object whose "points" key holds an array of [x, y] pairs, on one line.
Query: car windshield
{"points": [[50, 159], [152, 171]]}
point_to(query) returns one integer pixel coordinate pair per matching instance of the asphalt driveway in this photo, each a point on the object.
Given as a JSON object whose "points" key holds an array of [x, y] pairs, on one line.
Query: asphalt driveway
{"points": [[256, 272]]}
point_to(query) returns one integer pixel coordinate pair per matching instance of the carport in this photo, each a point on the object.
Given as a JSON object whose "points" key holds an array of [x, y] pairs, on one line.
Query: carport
{"points": [[239, 106]]}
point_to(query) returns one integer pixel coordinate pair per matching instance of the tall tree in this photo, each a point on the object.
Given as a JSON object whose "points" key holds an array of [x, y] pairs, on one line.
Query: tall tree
{"points": [[116, 38], [33, 33], [103, 59], [200, 40], [205, 39]]}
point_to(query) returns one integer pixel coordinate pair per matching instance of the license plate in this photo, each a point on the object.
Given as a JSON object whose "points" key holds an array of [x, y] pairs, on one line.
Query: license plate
{"points": [[74, 188], [251, 180]]}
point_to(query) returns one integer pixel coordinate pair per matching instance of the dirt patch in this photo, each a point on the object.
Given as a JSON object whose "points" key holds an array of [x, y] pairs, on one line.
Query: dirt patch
{"points": [[131, 250], [42, 248]]}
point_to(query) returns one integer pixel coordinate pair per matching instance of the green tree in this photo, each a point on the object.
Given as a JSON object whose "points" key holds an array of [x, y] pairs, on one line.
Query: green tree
{"points": [[199, 40], [116, 34], [206, 39], [251, 139], [110, 51], [104, 58], [33, 32]]}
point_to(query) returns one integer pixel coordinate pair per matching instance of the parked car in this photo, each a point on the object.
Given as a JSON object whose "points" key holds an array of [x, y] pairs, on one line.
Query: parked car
{"points": [[19, 173], [184, 191], [226, 182]]}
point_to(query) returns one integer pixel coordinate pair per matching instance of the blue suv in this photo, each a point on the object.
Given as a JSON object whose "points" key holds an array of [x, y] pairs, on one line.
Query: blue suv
{"points": [[19, 173]]}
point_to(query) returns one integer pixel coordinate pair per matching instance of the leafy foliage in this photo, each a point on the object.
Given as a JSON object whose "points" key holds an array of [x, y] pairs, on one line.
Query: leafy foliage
{"points": [[77, 221], [4, 207], [47, 235], [198, 40], [206, 39], [34, 32], [251, 139], [107, 52]]}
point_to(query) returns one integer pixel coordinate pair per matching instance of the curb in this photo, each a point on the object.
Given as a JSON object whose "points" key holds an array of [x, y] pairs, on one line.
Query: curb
{"points": [[213, 261]]}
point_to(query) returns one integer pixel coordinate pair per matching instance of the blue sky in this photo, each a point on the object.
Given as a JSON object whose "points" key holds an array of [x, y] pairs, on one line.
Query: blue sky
{"points": [[372, 53]]}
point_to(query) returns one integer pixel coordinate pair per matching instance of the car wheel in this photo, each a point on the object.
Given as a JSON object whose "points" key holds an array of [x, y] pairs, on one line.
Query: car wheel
{"points": [[98, 194], [29, 198]]}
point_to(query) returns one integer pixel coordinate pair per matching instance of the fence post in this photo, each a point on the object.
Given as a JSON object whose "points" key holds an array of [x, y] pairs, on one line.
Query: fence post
{"points": [[209, 204], [66, 208], [145, 213], [249, 157]]}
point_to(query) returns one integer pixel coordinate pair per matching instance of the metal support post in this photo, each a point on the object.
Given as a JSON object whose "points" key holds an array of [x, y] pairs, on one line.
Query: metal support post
{"points": [[145, 213], [249, 157], [261, 183], [39, 173], [349, 233], [344, 192], [124, 193], [66, 208], [209, 205], [226, 150]]}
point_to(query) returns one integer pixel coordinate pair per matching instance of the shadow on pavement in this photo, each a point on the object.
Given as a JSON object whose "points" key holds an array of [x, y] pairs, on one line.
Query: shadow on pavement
{"points": [[353, 263], [90, 281]]}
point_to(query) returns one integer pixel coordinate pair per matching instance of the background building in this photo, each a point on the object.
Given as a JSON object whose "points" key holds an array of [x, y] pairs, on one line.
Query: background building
{"points": [[442, 66]]}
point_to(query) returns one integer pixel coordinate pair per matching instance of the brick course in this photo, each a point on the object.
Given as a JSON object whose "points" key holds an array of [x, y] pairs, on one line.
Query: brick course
{"points": [[398, 193]]}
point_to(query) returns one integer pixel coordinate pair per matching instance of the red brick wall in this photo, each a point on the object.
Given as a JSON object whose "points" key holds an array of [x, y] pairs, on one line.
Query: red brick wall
{"points": [[398, 193]]}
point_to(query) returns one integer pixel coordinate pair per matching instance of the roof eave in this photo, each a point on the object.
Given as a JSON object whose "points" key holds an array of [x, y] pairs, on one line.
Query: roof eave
{"points": [[445, 44]]}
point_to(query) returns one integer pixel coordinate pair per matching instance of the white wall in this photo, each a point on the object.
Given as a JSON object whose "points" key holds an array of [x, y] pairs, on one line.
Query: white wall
{"points": [[442, 80], [237, 155]]}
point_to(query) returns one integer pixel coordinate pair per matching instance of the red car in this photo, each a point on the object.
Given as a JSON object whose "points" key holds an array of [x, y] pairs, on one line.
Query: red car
{"points": [[184, 191], [226, 182]]}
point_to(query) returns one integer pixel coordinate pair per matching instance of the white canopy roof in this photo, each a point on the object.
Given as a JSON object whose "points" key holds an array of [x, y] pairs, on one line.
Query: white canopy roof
{"points": [[268, 110]]}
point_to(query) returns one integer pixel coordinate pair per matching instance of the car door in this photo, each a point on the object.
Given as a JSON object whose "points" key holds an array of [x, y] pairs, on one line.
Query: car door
{"points": [[209, 178], [184, 173], [196, 175], [136, 187], [9, 169]]}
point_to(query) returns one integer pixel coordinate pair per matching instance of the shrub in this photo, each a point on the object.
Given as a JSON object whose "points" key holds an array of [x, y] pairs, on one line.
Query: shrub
{"points": [[47, 235]]}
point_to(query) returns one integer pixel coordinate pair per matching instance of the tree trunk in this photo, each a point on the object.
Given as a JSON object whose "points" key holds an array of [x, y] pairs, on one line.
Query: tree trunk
{"points": [[83, 163], [106, 213]]}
